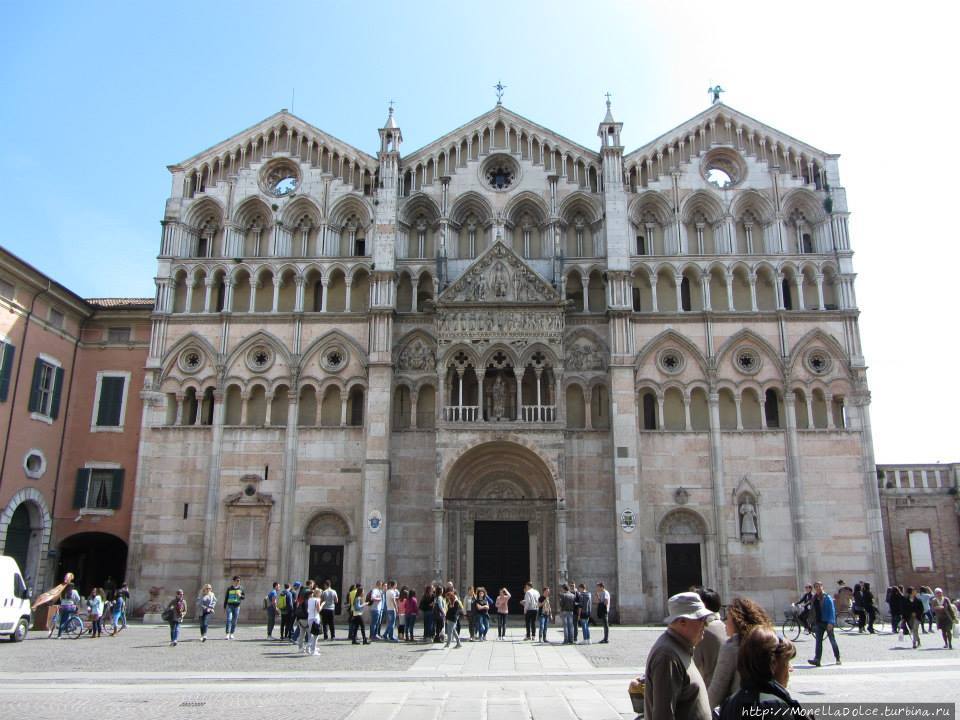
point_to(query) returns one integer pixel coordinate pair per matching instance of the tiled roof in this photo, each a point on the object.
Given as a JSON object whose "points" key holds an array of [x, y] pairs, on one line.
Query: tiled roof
{"points": [[121, 303]]}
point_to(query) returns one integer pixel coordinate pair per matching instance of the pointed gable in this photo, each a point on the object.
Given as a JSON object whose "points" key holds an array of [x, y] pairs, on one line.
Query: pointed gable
{"points": [[721, 125], [489, 121], [265, 129], [499, 277]]}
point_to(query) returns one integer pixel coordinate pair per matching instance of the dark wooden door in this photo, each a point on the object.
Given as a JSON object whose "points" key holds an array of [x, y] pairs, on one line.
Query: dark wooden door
{"points": [[683, 567], [501, 558], [326, 563]]}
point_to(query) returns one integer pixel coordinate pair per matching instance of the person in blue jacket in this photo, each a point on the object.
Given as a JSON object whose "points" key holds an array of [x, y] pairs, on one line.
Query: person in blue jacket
{"points": [[825, 615]]}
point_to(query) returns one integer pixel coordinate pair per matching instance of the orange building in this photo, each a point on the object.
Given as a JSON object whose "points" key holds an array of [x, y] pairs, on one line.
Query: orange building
{"points": [[71, 370]]}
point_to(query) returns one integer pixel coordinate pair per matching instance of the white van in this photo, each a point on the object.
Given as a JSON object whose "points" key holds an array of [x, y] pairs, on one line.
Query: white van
{"points": [[14, 601]]}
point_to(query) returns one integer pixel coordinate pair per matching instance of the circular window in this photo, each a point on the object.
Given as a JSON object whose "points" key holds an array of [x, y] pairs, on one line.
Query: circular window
{"points": [[670, 361], [280, 178], [34, 464], [723, 168], [250, 490], [500, 172], [818, 362], [333, 359], [747, 361], [190, 360], [259, 358]]}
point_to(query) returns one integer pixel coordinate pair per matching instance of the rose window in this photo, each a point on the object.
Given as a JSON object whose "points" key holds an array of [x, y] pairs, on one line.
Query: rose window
{"points": [[670, 361], [747, 361], [259, 359], [818, 362], [191, 360], [333, 359], [500, 177]]}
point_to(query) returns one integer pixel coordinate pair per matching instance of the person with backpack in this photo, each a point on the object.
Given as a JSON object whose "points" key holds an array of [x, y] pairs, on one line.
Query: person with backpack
{"points": [[231, 603], [174, 614], [270, 605], [301, 613], [439, 613], [285, 606]]}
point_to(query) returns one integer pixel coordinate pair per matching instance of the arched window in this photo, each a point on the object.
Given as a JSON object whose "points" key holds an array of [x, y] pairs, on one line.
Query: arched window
{"points": [[576, 409], [771, 408], [355, 407], [649, 410]]}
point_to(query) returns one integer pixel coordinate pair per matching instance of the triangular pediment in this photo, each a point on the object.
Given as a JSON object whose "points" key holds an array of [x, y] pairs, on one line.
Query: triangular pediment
{"points": [[489, 120], [721, 113], [499, 277], [282, 119]]}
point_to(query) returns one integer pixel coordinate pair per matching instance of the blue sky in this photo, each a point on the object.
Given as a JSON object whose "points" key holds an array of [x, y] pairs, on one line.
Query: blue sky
{"points": [[98, 98]]}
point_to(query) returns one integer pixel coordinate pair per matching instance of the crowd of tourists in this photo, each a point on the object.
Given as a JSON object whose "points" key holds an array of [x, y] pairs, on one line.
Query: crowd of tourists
{"points": [[703, 667], [303, 613]]}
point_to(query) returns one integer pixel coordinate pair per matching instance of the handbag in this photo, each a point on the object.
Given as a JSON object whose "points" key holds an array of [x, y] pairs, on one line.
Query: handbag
{"points": [[315, 628], [167, 615]]}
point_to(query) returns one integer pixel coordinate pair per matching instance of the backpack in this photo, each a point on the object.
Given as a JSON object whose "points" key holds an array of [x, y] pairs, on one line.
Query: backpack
{"points": [[282, 601], [300, 609]]}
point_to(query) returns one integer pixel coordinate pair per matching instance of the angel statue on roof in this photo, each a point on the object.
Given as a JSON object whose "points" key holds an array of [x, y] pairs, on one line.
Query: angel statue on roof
{"points": [[715, 91]]}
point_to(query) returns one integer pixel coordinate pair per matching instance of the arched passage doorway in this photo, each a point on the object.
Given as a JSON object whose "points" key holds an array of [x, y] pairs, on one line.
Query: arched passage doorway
{"points": [[25, 532], [93, 558], [502, 521]]}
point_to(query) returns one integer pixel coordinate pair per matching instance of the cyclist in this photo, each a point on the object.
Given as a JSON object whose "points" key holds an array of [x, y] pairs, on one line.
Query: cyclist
{"points": [[69, 602], [803, 606]]}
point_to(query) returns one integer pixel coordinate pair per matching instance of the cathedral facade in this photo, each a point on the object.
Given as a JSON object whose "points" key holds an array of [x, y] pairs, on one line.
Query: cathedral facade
{"points": [[508, 356]]}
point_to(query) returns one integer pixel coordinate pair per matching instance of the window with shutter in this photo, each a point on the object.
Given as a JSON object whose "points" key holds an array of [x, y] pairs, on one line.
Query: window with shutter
{"points": [[7, 352], [80, 491], [100, 489], [110, 405], [45, 389]]}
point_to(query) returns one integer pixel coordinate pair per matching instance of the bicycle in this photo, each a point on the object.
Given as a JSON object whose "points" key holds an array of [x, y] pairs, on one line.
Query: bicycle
{"points": [[793, 625]]}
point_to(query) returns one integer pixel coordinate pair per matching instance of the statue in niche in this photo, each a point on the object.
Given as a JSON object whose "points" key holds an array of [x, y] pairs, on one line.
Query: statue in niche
{"points": [[499, 397], [500, 282], [748, 520]]}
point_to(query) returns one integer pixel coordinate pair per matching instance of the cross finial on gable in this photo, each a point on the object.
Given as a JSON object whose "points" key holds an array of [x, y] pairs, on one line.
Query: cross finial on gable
{"points": [[499, 87]]}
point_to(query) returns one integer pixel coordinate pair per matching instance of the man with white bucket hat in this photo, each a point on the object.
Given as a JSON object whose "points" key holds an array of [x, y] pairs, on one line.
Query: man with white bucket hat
{"points": [[674, 687]]}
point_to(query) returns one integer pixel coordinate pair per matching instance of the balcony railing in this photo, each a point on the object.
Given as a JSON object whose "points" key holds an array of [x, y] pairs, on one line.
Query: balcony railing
{"points": [[528, 414], [538, 413], [461, 413]]}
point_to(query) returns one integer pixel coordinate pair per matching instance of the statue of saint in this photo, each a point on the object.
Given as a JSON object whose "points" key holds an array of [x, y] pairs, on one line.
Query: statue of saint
{"points": [[499, 397], [500, 282], [748, 521]]}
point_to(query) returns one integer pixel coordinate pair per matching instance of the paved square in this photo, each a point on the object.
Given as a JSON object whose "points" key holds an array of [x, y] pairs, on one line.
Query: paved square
{"points": [[138, 675]]}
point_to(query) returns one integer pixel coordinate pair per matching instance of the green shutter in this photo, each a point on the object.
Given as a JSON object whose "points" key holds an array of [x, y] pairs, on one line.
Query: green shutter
{"points": [[57, 388], [34, 404], [116, 489], [6, 368], [80, 492], [111, 401]]}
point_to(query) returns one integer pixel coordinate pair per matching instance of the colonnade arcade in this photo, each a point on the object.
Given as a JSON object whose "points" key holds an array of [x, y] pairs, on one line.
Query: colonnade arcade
{"points": [[500, 386]]}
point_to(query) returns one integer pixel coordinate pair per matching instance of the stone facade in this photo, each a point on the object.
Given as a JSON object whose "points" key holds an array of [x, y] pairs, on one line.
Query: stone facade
{"points": [[508, 355], [921, 519]]}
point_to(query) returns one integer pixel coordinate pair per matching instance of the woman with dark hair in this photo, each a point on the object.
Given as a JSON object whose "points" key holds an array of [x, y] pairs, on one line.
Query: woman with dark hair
{"points": [[913, 612], [763, 663], [895, 603], [426, 607], [356, 619], [869, 606], [743, 614]]}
